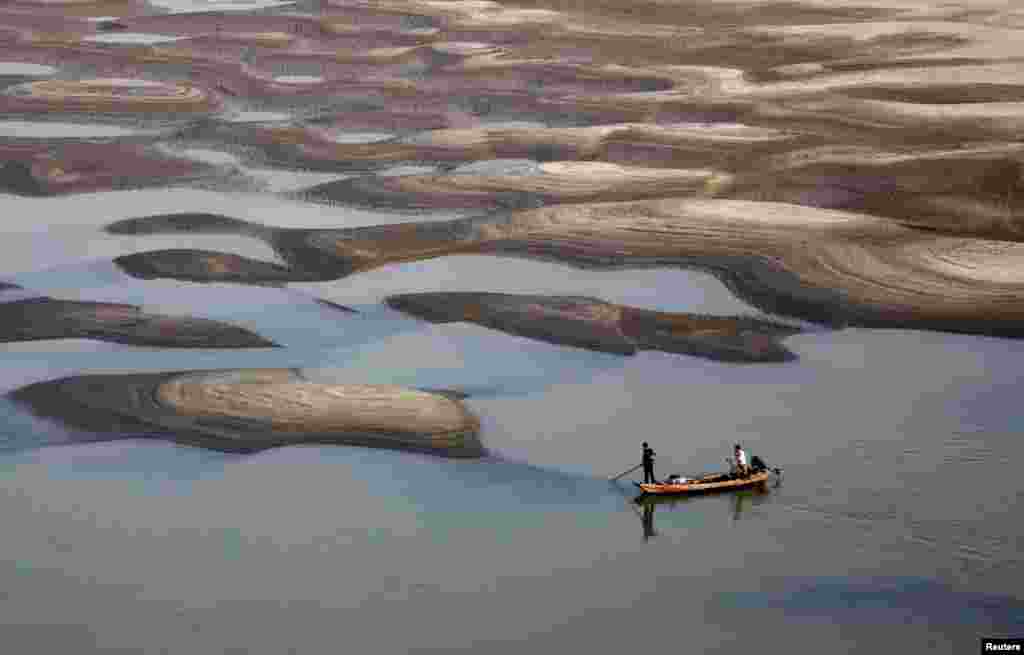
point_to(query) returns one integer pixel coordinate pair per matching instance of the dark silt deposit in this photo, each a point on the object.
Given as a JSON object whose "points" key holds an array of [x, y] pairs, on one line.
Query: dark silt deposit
{"points": [[311, 254], [596, 325], [204, 266], [44, 170], [184, 223], [256, 409], [48, 318], [838, 269]]}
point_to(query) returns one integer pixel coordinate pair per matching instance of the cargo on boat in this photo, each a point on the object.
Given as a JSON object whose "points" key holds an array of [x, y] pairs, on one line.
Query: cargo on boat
{"points": [[706, 484]]}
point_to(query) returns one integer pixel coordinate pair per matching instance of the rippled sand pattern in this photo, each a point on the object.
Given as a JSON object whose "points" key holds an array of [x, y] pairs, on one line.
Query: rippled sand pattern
{"points": [[846, 165]]}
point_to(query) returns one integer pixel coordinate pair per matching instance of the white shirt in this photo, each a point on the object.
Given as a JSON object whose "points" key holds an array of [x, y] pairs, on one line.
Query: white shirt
{"points": [[741, 457]]}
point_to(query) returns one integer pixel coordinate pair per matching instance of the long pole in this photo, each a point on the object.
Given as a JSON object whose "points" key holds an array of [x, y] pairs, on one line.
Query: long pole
{"points": [[629, 471]]}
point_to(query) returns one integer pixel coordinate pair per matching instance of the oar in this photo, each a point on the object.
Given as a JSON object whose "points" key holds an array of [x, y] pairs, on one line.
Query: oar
{"points": [[629, 501], [625, 472]]}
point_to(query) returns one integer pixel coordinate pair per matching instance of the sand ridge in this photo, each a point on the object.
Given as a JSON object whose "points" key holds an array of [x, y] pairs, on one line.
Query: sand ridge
{"points": [[847, 165]]}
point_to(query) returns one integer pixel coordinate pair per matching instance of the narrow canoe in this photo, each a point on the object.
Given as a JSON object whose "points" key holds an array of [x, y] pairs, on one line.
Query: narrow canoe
{"points": [[704, 485]]}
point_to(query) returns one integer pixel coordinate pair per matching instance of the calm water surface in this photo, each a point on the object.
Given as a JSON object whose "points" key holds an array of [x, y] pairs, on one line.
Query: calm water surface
{"points": [[894, 524]]}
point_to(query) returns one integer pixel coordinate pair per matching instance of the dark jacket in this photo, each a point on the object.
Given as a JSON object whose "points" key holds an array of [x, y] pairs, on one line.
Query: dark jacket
{"points": [[648, 458]]}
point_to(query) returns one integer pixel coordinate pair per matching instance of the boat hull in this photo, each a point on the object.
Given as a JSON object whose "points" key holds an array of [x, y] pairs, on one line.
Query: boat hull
{"points": [[698, 487]]}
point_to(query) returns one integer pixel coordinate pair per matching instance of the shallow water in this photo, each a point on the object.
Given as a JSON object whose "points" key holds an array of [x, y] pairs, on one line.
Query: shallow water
{"points": [[132, 38], [21, 69], [895, 526], [172, 538], [55, 130]]}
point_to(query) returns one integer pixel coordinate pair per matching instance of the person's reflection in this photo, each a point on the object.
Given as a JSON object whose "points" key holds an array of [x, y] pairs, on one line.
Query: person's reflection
{"points": [[648, 521], [739, 504], [737, 508]]}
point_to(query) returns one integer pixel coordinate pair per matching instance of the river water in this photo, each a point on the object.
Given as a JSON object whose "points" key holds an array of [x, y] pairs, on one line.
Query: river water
{"points": [[894, 527], [894, 524]]}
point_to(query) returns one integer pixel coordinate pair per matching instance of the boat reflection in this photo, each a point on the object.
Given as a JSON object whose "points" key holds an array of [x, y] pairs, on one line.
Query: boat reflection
{"points": [[738, 503]]}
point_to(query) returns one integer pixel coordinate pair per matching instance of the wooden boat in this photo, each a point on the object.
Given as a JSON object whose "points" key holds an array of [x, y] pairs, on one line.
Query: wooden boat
{"points": [[706, 484]]}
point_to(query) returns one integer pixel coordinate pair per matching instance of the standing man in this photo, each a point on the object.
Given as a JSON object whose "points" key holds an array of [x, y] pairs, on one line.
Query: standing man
{"points": [[741, 462], [648, 462]]}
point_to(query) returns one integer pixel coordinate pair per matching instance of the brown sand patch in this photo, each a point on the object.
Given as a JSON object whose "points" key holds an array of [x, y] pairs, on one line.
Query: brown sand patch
{"points": [[900, 112], [558, 182], [107, 95], [596, 325], [48, 318], [252, 410], [967, 190], [873, 263], [291, 406], [78, 7]]}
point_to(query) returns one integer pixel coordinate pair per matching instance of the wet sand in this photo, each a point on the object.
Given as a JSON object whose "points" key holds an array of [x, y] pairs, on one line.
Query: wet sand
{"points": [[820, 265], [596, 325], [47, 318]]}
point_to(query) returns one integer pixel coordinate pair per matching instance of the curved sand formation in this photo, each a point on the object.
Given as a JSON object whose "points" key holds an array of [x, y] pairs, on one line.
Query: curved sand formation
{"points": [[184, 223], [974, 191], [256, 409], [206, 266], [87, 7], [557, 182], [738, 147], [40, 168], [361, 32], [48, 318], [491, 74], [106, 95], [311, 254], [902, 115], [596, 325], [822, 265], [20, 22], [883, 275], [197, 23]]}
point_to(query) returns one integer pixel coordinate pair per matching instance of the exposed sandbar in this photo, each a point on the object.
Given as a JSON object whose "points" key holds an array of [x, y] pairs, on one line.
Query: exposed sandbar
{"points": [[828, 266], [183, 223], [596, 325], [857, 122], [206, 266], [886, 275], [78, 7], [735, 146], [255, 409], [823, 265], [975, 191], [557, 182], [48, 318], [45, 169], [107, 95]]}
